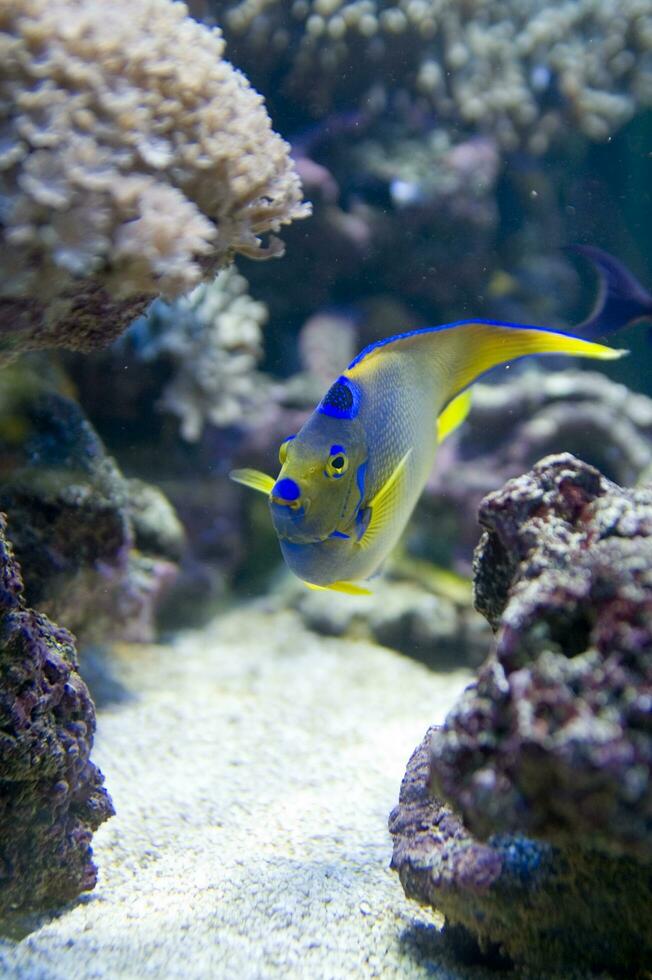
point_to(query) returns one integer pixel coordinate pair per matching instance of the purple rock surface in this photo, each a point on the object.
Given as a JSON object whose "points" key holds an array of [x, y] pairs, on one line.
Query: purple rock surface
{"points": [[555, 737], [51, 794], [513, 899], [527, 817]]}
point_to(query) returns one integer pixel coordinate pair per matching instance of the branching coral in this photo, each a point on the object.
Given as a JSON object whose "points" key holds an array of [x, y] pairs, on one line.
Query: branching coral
{"points": [[133, 159], [512, 66], [213, 339]]}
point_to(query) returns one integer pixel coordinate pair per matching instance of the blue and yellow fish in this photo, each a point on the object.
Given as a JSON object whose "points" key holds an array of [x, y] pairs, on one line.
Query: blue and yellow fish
{"points": [[350, 478]]}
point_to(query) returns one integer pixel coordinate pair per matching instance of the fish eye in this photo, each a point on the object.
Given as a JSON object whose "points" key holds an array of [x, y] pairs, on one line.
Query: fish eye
{"points": [[337, 462], [283, 449]]}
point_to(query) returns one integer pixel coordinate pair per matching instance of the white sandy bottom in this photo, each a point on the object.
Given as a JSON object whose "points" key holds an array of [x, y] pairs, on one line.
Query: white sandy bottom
{"points": [[253, 771]]}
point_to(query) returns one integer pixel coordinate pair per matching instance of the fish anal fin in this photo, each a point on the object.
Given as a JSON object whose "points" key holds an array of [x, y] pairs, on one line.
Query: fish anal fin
{"points": [[350, 588], [384, 503], [253, 479], [453, 415]]}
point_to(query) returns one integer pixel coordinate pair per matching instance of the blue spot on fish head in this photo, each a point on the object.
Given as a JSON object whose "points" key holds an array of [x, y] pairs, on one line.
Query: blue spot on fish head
{"points": [[286, 490], [342, 400], [316, 492]]}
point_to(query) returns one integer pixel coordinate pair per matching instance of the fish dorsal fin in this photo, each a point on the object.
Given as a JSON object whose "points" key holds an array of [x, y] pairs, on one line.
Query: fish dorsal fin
{"points": [[350, 588], [383, 505], [480, 346], [453, 415], [461, 352], [254, 479]]}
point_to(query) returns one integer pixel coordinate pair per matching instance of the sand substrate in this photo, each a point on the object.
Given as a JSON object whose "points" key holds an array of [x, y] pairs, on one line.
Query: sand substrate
{"points": [[253, 766]]}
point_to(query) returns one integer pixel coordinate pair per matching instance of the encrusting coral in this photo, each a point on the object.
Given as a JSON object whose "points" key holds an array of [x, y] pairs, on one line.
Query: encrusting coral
{"points": [[51, 794], [546, 759], [213, 339], [514, 68], [134, 160]]}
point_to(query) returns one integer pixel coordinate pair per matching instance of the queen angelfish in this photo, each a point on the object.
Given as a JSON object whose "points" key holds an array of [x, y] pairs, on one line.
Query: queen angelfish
{"points": [[351, 476]]}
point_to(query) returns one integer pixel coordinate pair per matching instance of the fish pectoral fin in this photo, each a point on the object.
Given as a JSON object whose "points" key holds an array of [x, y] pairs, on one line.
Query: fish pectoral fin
{"points": [[453, 415], [254, 479], [384, 504], [350, 588]]}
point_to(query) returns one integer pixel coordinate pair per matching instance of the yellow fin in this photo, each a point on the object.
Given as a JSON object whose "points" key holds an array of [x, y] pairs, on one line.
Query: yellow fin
{"points": [[384, 504], [453, 415], [461, 352], [349, 587], [254, 479], [481, 346]]}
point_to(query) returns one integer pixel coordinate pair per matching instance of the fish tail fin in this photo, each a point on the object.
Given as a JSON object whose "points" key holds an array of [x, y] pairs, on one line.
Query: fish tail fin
{"points": [[621, 298], [478, 346]]}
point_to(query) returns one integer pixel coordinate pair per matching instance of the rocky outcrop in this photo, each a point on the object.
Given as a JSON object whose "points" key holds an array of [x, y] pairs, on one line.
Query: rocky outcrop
{"points": [[51, 793], [549, 752]]}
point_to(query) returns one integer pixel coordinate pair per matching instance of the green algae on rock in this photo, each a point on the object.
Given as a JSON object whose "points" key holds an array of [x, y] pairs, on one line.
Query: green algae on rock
{"points": [[51, 794]]}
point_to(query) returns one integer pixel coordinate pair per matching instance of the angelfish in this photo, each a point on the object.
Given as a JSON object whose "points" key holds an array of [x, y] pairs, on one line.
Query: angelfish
{"points": [[351, 476]]}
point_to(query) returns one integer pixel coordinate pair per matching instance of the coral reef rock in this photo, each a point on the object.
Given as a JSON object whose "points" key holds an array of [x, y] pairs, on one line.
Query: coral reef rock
{"points": [[547, 756], [134, 160], [98, 551], [52, 796], [517, 898], [555, 738]]}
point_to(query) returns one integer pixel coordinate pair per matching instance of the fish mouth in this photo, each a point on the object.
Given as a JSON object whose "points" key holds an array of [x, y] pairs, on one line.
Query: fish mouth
{"points": [[300, 538]]}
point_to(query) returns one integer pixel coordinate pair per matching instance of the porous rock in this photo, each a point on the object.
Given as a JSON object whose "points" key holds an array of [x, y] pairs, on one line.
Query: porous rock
{"points": [[515, 898], [98, 551], [526, 817], [511, 426], [554, 738], [51, 794]]}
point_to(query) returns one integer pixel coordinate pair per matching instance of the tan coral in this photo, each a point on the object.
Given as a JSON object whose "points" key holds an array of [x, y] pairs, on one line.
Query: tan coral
{"points": [[133, 160], [520, 69]]}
